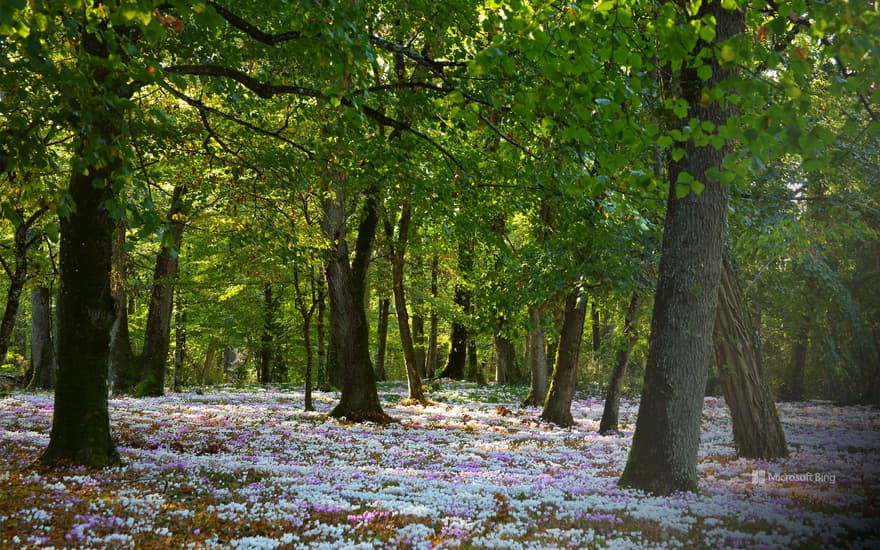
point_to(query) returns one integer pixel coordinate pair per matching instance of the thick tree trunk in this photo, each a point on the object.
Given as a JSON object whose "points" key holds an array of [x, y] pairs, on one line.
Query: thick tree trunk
{"points": [[757, 432], [398, 261], [611, 412], [456, 361], [557, 407], [537, 345], [505, 357], [346, 285], [81, 421], [663, 456], [157, 336], [123, 371], [382, 337], [42, 350]]}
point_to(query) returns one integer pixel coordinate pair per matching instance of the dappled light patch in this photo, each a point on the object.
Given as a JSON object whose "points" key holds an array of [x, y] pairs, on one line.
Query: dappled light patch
{"points": [[249, 469]]}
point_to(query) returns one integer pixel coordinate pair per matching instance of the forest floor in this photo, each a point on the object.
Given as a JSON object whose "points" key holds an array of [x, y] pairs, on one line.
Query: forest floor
{"points": [[247, 468]]}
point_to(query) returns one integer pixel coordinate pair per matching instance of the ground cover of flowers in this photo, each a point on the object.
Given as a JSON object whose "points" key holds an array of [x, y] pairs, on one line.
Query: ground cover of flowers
{"points": [[246, 468]]}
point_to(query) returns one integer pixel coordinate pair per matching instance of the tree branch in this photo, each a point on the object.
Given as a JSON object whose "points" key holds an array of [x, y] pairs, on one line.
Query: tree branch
{"points": [[251, 30]]}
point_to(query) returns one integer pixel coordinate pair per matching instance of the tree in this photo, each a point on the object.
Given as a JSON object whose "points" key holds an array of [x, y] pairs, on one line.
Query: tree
{"points": [[42, 348], [757, 432], [663, 457], [157, 339], [557, 406], [25, 237], [611, 411]]}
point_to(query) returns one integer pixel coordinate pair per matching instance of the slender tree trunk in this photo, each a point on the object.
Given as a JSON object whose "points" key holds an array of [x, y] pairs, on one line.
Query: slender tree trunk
{"points": [[433, 333], [757, 432], [663, 456], [537, 344], [157, 336], [323, 384], [81, 421], [418, 334], [798, 365], [266, 344], [596, 328], [557, 407], [123, 371], [398, 261], [307, 342], [382, 337], [611, 412], [42, 351], [179, 341], [23, 238], [456, 361], [346, 285], [306, 311]]}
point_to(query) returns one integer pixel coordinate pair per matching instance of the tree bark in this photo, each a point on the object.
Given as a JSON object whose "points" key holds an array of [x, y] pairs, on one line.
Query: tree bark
{"points": [[458, 341], [179, 342], [323, 384], [537, 345], [398, 261], [557, 407], [596, 328], [266, 339], [382, 337], [157, 337], [663, 456], [42, 350], [757, 432], [611, 412], [81, 421], [346, 285], [23, 238], [798, 365], [306, 312], [433, 332], [123, 371]]}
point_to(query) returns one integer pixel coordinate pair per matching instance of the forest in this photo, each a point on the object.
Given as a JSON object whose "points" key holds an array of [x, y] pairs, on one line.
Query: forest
{"points": [[475, 273]]}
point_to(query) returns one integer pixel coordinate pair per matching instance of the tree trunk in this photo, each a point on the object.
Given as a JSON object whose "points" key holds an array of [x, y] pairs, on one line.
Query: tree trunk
{"points": [[157, 336], [433, 332], [537, 345], [306, 311], [505, 356], [458, 342], [418, 334], [123, 371], [382, 337], [42, 351], [323, 384], [798, 365], [24, 238], [596, 327], [179, 342], [398, 261], [346, 285], [611, 412], [663, 456], [266, 344], [81, 421], [557, 407], [472, 372], [757, 432]]}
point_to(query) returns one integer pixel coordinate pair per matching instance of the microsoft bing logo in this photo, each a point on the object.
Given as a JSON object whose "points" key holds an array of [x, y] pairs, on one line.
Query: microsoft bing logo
{"points": [[762, 477]]}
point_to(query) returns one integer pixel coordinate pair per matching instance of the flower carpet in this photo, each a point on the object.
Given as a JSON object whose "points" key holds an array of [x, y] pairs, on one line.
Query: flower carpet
{"points": [[248, 468]]}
